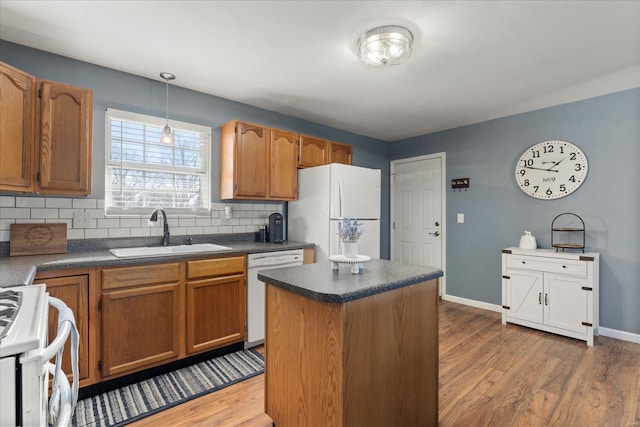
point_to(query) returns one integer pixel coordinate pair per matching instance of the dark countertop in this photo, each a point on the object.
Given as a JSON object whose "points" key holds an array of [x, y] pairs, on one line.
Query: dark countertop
{"points": [[319, 282], [21, 270]]}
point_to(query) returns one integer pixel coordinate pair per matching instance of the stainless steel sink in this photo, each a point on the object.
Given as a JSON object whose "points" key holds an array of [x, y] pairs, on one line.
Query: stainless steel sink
{"points": [[154, 251]]}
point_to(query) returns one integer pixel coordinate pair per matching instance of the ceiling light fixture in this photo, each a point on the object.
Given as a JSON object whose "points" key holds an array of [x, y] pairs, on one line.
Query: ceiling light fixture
{"points": [[167, 134], [383, 46]]}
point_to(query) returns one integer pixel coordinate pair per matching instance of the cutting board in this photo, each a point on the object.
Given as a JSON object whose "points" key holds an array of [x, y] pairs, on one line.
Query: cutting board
{"points": [[37, 239]]}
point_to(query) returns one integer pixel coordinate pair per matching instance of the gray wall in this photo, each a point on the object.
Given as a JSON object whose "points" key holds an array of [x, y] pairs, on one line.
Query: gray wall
{"points": [[496, 211], [607, 129], [115, 89]]}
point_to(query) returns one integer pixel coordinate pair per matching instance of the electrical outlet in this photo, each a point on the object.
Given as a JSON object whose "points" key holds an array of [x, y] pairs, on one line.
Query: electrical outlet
{"points": [[81, 220], [460, 218]]}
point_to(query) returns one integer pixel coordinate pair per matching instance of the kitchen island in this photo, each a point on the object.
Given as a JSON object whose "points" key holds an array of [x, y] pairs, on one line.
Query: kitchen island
{"points": [[348, 349]]}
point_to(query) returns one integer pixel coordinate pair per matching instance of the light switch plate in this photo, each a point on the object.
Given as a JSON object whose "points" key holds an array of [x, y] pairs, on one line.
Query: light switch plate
{"points": [[460, 218]]}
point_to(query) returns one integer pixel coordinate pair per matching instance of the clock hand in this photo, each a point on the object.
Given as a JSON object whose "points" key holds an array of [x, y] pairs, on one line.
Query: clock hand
{"points": [[554, 165], [541, 169]]}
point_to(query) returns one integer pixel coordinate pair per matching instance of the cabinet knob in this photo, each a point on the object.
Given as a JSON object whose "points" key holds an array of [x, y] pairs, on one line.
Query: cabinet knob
{"points": [[523, 262], [564, 266]]}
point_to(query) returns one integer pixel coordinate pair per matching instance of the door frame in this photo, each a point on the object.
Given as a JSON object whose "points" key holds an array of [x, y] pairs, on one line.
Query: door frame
{"points": [[443, 195]]}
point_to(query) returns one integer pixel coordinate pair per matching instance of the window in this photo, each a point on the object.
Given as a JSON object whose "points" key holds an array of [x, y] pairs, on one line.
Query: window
{"points": [[141, 173]]}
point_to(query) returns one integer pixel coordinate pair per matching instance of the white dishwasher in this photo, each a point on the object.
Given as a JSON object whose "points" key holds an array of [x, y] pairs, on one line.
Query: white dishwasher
{"points": [[256, 288]]}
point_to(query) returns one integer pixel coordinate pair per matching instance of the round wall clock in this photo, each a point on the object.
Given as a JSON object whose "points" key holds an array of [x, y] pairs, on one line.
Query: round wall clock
{"points": [[551, 170]]}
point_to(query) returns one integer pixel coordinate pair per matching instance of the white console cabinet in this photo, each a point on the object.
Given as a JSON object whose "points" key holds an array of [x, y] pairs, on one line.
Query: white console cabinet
{"points": [[551, 291]]}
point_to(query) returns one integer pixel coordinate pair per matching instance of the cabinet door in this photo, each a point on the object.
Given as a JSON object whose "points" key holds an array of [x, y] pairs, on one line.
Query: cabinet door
{"points": [[17, 129], [340, 153], [283, 174], [524, 295], [313, 152], [64, 143], [216, 312], [566, 302], [140, 327], [251, 160], [73, 291]]}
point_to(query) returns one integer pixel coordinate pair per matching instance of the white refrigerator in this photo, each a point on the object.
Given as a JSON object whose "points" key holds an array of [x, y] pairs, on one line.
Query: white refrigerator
{"points": [[329, 193]]}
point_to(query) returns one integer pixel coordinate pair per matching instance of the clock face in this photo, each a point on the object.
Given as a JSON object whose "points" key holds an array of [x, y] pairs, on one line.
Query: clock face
{"points": [[551, 170]]}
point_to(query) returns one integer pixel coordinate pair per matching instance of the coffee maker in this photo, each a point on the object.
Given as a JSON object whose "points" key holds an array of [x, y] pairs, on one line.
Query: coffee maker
{"points": [[276, 228]]}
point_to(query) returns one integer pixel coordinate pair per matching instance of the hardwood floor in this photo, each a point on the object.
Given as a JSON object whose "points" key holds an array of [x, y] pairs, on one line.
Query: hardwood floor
{"points": [[490, 375]]}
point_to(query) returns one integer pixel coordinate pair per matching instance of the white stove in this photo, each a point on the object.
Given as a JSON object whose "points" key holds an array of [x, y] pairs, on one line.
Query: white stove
{"points": [[24, 358]]}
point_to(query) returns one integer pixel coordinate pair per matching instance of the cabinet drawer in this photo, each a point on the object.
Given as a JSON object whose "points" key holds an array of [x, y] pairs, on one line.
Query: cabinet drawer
{"points": [[115, 278], [551, 265], [216, 267]]}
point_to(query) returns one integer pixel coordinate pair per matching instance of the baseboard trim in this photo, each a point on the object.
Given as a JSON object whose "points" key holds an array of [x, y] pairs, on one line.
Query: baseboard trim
{"points": [[473, 303], [605, 332], [620, 335]]}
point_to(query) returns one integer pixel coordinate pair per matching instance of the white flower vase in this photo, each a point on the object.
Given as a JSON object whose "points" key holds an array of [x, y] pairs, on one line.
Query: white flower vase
{"points": [[350, 249]]}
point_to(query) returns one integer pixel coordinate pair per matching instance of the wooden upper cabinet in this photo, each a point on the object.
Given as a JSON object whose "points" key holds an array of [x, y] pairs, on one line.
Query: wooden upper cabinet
{"points": [[340, 153], [283, 173], [45, 135], [318, 152], [313, 152], [245, 152], [17, 129], [64, 146], [258, 163]]}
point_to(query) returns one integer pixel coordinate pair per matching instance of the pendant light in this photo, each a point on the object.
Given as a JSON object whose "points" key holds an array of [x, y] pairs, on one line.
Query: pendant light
{"points": [[383, 46], [167, 134]]}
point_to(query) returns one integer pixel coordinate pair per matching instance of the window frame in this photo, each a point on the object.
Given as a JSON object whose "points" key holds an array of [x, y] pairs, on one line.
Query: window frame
{"points": [[204, 171]]}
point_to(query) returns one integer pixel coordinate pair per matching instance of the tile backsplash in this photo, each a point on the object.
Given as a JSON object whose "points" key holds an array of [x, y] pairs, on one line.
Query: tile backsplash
{"points": [[85, 218]]}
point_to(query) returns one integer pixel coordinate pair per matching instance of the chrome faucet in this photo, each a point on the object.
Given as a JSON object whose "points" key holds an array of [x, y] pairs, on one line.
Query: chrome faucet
{"points": [[154, 218]]}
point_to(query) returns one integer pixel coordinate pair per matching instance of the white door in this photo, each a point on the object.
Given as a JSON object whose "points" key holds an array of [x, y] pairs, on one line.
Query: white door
{"points": [[417, 211]]}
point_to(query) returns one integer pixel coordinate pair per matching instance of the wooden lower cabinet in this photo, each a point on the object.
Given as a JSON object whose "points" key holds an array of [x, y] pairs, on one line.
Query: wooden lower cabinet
{"points": [[216, 303], [74, 292], [367, 362], [215, 312], [140, 327], [156, 313]]}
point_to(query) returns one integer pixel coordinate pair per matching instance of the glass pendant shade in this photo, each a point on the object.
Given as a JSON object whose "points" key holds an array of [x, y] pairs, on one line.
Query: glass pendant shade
{"points": [[167, 133], [383, 46]]}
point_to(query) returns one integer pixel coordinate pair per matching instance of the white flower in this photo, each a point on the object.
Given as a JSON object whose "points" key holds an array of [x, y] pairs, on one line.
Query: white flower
{"points": [[350, 230]]}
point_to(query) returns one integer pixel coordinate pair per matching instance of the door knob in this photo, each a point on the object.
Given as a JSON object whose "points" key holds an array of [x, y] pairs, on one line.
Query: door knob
{"points": [[437, 223], [435, 234]]}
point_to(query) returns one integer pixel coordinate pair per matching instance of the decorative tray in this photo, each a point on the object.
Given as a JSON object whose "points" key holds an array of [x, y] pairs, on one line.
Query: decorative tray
{"points": [[356, 263]]}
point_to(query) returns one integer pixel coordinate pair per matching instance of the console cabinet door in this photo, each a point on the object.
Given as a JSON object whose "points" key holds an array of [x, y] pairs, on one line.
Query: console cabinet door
{"points": [[216, 312], [64, 144], [74, 292], [524, 294], [566, 302], [17, 129], [140, 327]]}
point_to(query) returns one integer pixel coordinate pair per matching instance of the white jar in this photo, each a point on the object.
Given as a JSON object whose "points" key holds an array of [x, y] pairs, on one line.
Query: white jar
{"points": [[527, 241]]}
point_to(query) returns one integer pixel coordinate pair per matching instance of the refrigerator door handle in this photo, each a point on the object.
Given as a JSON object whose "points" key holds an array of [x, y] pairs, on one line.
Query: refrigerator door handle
{"points": [[340, 198]]}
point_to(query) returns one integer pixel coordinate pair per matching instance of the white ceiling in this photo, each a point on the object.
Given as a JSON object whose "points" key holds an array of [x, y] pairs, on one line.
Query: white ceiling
{"points": [[472, 60]]}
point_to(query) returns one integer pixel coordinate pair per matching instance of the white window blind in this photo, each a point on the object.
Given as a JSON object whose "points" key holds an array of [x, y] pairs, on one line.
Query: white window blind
{"points": [[142, 173]]}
